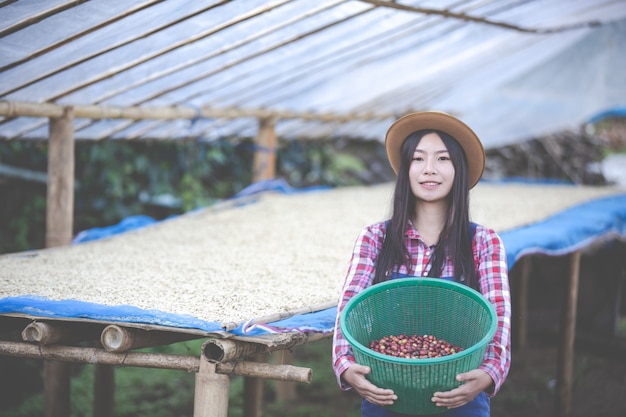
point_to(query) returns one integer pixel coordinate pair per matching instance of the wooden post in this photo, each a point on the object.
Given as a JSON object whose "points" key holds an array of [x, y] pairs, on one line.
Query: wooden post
{"points": [[522, 270], [564, 380], [153, 360], [264, 167], [60, 206], [104, 391], [253, 389], [116, 338], [211, 391], [56, 377], [285, 391], [59, 218], [49, 333]]}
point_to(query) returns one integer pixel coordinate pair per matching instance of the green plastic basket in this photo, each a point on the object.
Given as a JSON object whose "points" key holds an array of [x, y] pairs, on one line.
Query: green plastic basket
{"points": [[438, 307]]}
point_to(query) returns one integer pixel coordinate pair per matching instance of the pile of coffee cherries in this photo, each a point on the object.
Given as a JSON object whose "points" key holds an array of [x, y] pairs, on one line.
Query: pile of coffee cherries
{"points": [[414, 346]]}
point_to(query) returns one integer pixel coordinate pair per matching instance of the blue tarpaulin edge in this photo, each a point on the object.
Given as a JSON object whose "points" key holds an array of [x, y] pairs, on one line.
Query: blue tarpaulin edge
{"points": [[569, 230]]}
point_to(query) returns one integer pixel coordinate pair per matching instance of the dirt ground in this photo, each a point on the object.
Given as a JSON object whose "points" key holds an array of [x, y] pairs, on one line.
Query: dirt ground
{"points": [[599, 384]]}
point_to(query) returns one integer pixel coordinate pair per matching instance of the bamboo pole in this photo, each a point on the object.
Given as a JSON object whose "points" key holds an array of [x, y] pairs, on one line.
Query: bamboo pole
{"points": [[211, 391], [285, 390], [521, 285], [103, 391], [60, 207], [116, 338], [253, 389], [565, 367], [226, 350], [30, 109], [59, 219], [46, 333], [56, 376], [153, 360], [264, 166]]}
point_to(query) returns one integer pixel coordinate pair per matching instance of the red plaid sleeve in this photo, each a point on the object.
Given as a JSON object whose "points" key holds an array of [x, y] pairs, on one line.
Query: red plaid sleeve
{"points": [[494, 285], [360, 275]]}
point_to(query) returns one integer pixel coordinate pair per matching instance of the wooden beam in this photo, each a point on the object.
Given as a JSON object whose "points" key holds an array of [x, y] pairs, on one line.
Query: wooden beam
{"points": [[233, 349], [153, 360], [48, 333], [103, 391], [31, 109], [253, 390], [115, 338], [60, 207], [285, 391], [565, 367], [520, 282], [264, 165], [468, 18], [211, 391], [59, 219], [56, 376]]}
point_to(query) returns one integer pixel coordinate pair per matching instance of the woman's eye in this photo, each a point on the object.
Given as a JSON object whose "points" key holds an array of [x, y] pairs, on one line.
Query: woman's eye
{"points": [[418, 158]]}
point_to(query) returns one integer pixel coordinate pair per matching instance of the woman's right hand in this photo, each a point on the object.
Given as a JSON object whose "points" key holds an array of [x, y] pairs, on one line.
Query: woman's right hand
{"points": [[355, 377]]}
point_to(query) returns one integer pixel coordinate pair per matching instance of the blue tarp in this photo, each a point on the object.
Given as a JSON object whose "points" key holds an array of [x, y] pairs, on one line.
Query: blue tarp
{"points": [[562, 233], [569, 230]]}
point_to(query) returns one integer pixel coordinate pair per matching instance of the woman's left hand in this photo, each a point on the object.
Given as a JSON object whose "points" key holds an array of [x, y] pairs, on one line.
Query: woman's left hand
{"points": [[474, 382]]}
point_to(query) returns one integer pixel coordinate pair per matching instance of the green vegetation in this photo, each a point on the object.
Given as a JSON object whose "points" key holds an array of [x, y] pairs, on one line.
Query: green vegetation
{"points": [[117, 179]]}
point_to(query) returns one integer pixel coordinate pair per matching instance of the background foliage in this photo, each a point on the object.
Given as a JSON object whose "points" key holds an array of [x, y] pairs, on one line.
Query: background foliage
{"points": [[117, 179]]}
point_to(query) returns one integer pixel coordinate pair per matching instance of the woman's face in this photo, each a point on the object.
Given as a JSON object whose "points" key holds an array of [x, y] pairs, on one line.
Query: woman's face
{"points": [[431, 172]]}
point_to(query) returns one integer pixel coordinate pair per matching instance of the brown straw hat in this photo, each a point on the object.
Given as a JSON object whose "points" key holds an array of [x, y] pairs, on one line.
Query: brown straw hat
{"points": [[404, 126]]}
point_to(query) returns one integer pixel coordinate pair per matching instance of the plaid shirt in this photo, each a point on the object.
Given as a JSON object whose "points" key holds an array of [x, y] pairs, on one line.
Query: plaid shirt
{"points": [[490, 257]]}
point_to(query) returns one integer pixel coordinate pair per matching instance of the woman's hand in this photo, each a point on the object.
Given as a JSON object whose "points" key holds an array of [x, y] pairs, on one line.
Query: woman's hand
{"points": [[355, 376], [475, 382]]}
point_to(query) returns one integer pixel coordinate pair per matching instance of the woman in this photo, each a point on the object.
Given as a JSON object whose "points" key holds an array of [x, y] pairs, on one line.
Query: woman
{"points": [[437, 159]]}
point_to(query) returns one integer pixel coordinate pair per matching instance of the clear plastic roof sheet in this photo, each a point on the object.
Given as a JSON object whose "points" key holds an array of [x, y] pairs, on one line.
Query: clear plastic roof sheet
{"points": [[512, 69]]}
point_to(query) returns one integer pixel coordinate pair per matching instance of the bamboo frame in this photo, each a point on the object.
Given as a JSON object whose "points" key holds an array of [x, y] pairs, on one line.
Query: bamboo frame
{"points": [[211, 391], [30, 109], [229, 350], [48, 333], [59, 222], [465, 17], [565, 368], [116, 338], [153, 360], [522, 269], [264, 164], [60, 207]]}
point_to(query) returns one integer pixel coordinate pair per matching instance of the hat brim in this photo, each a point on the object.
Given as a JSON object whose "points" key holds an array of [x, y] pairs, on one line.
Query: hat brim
{"points": [[434, 120]]}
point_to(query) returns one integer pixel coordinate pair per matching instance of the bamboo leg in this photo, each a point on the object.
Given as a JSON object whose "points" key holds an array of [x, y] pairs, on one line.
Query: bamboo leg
{"points": [[59, 217], [56, 376], [60, 199], [104, 391], [264, 167], [564, 379], [253, 392], [211, 391], [521, 329], [285, 391]]}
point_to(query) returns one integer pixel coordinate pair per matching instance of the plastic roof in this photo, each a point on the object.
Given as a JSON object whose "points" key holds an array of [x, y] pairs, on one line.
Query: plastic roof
{"points": [[512, 69]]}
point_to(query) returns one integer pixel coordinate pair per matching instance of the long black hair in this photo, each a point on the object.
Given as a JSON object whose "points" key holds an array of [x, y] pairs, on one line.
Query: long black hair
{"points": [[455, 240]]}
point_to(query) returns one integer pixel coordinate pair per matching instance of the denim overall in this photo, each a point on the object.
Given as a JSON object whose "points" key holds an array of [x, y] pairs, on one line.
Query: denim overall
{"points": [[478, 407]]}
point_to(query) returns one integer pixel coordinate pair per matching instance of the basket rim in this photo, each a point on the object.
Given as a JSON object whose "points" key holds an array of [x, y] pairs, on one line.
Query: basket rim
{"points": [[408, 281]]}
